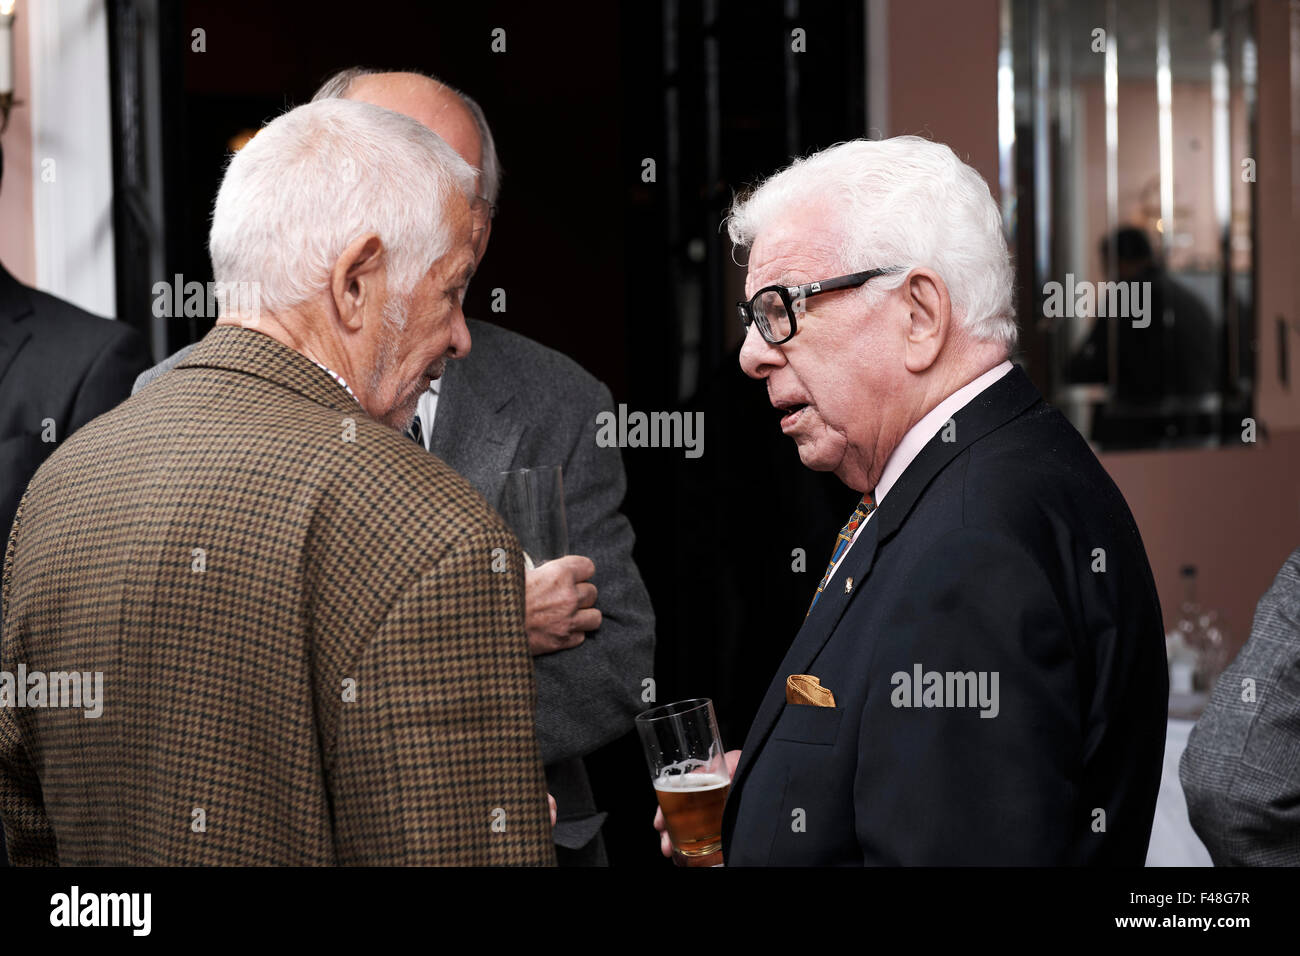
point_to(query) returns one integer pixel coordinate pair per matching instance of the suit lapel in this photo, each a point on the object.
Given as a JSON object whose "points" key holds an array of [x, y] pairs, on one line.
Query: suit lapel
{"points": [[15, 305], [1002, 401], [473, 429]]}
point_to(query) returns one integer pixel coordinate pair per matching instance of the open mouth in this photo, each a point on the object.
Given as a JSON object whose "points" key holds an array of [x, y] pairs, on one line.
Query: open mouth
{"points": [[790, 413]]}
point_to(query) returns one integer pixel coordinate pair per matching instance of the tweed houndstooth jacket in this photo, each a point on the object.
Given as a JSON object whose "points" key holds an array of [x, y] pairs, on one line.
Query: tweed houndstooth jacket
{"points": [[301, 635], [513, 403]]}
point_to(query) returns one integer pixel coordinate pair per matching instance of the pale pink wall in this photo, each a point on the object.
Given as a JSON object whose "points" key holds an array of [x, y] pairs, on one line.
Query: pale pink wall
{"points": [[1232, 512], [17, 242], [943, 61]]}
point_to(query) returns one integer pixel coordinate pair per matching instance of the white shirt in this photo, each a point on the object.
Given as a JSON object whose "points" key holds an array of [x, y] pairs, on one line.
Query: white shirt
{"points": [[918, 436], [427, 409], [338, 378]]}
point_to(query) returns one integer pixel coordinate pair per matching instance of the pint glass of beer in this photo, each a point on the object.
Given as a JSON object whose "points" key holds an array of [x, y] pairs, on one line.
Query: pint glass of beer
{"points": [[689, 771]]}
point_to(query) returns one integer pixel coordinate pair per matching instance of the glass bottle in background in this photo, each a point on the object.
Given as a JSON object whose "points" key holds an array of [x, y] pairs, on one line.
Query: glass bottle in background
{"points": [[1197, 641], [1179, 640]]}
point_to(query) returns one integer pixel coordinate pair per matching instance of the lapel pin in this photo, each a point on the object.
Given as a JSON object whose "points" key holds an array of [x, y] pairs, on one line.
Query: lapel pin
{"points": [[848, 585]]}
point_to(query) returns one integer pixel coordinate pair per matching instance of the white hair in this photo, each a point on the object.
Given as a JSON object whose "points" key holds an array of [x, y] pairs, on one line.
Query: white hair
{"points": [[340, 84], [318, 177], [905, 202]]}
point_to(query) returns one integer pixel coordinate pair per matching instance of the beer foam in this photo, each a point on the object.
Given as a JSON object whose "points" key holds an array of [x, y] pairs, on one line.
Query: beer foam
{"points": [[692, 781]]}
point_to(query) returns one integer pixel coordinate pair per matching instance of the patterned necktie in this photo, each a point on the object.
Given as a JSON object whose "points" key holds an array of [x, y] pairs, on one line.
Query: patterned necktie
{"points": [[415, 433], [842, 542]]}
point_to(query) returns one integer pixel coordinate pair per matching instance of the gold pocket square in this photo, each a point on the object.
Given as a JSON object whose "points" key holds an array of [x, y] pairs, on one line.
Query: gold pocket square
{"points": [[808, 690]]}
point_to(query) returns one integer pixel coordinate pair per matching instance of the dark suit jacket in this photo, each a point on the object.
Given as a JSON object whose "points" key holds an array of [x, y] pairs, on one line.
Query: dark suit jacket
{"points": [[1241, 769], [57, 362], [512, 403], [344, 680], [980, 559]]}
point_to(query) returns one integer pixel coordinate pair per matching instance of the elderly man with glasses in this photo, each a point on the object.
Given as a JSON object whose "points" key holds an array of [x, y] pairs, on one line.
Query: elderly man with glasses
{"points": [[980, 675]]}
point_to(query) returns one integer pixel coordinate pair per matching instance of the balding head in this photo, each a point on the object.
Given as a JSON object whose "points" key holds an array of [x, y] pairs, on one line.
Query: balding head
{"points": [[452, 114], [434, 104]]}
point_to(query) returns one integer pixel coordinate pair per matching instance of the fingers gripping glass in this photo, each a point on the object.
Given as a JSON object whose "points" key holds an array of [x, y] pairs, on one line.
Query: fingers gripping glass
{"points": [[774, 306]]}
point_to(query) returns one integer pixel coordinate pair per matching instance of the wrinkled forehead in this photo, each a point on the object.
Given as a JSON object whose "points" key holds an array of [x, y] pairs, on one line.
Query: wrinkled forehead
{"points": [[803, 245]]}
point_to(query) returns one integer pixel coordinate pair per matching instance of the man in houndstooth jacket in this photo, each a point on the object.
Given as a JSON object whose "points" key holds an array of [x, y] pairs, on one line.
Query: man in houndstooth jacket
{"points": [[302, 661]]}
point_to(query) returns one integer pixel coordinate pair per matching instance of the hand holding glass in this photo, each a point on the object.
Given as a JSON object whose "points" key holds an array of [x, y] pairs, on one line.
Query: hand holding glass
{"points": [[689, 771]]}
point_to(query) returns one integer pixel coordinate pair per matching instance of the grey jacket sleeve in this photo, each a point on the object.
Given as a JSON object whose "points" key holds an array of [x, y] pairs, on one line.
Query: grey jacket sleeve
{"points": [[588, 696], [166, 365], [1241, 769]]}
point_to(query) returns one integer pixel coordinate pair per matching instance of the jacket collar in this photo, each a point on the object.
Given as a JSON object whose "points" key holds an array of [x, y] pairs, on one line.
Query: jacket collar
{"points": [[255, 353]]}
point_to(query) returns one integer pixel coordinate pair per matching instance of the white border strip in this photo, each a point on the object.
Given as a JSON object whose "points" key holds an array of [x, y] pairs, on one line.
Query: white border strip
{"points": [[72, 152]]}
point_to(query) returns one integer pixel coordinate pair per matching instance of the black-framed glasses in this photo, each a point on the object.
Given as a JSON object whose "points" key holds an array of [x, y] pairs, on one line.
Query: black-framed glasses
{"points": [[774, 307]]}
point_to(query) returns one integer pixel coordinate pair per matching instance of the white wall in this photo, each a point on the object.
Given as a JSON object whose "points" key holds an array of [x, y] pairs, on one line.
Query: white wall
{"points": [[72, 156]]}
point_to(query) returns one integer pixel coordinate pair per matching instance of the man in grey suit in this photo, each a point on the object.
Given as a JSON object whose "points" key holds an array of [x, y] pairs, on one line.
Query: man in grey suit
{"points": [[512, 403], [1241, 769]]}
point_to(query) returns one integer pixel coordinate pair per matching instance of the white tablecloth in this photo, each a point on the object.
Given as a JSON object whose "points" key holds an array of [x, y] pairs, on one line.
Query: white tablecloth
{"points": [[1173, 841]]}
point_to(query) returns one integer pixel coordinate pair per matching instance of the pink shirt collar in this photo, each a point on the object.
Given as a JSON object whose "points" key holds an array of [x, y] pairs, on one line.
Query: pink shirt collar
{"points": [[919, 435]]}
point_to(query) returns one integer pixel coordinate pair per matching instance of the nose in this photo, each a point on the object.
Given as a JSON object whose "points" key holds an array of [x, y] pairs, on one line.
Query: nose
{"points": [[460, 338], [759, 358]]}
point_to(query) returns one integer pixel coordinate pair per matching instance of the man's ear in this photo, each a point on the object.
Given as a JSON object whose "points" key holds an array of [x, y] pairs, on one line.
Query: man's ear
{"points": [[357, 280], [930, 318]]}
